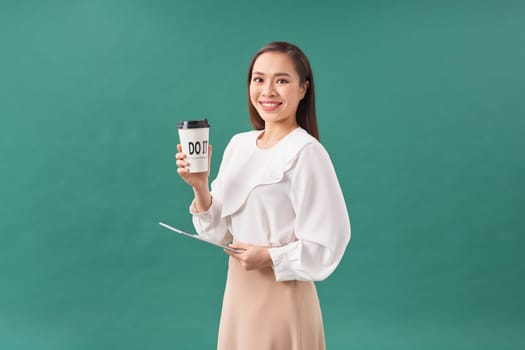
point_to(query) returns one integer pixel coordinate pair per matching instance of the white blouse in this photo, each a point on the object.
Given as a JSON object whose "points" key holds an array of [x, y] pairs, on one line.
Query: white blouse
{"points": [[287, 197]]}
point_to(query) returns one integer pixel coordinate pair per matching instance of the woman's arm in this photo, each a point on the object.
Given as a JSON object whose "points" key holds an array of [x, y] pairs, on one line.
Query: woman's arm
{"points": [[322, 225], [206, 207], [198, 181]]}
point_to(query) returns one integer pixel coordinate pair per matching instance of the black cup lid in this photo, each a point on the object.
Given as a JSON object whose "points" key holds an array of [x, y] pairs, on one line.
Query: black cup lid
{"points": [[193, 124]]}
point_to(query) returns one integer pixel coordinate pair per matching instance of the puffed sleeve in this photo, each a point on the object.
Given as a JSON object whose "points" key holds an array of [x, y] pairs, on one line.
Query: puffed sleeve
{"points": [[322, 225], [209, 223]]}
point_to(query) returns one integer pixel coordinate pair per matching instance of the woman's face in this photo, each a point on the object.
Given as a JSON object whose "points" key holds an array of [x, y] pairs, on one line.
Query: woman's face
{"points": [[275, 88]]}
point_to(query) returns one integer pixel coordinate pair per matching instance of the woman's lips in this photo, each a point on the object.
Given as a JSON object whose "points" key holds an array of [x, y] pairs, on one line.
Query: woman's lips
{"points": [[269, 106]]}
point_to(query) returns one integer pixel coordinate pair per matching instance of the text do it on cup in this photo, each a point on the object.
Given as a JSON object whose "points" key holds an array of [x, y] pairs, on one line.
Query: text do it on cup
{"points": [[194, 138]]}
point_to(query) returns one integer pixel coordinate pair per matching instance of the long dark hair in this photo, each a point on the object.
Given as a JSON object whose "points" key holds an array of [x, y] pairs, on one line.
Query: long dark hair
{"points": [[305, 116]]}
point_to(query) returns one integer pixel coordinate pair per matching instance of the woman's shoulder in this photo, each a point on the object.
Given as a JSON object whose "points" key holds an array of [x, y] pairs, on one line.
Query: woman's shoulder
{"points": [[246, 136], [242, 142], [302, 137], [297, 145], [307, 149], [301, 141]]}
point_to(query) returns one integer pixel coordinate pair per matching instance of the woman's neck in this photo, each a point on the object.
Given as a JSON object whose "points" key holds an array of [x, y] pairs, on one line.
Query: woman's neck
{"points": [[273, 133]]}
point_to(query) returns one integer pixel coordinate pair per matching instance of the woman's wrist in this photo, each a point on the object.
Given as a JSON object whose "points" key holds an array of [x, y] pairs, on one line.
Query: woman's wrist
{"points": [[201, 189], [203, 199]]}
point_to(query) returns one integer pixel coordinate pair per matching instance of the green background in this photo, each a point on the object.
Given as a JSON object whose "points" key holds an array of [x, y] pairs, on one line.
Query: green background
{"points": [[421, 106]]}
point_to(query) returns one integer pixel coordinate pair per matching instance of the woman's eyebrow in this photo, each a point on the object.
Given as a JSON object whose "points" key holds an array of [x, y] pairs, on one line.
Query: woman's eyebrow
{"points": [[276, 74]]}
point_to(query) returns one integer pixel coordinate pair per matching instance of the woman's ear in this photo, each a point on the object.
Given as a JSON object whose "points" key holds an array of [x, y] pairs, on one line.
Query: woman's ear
{"points": [[304, 88]]}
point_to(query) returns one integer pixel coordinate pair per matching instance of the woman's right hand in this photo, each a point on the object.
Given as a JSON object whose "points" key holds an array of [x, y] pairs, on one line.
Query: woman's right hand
{"points": [[195, 180]]}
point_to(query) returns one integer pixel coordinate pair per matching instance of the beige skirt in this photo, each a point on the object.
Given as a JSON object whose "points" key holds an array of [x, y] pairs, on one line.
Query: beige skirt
{"points": [[259, 313]]}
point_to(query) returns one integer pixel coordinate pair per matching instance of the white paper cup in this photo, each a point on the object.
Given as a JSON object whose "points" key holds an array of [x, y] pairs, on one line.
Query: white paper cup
{"points": [[194, 138]]}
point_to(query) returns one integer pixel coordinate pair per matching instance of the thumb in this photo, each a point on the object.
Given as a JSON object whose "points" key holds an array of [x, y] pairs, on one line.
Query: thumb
{"points": [[238, 245]]}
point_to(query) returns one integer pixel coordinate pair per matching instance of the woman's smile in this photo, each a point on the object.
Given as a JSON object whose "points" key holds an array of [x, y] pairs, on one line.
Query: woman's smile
{"points": [[270, 106]]}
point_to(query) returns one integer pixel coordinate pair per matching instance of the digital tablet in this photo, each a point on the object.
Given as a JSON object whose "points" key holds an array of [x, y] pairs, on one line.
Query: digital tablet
{"points": [[199, 238]]}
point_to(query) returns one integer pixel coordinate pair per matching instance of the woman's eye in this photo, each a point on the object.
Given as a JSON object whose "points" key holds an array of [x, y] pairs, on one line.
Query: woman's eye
{"points": [[282, 81], [257, 80]]}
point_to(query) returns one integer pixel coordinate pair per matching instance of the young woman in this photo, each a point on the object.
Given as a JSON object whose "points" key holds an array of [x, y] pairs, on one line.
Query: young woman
{"points": [[277, 199]]}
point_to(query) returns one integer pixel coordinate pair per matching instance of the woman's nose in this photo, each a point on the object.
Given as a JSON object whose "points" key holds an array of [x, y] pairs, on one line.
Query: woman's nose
{"points": [[268, 89]]}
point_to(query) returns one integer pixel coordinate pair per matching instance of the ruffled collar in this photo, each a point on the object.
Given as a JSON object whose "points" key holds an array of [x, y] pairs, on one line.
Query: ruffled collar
{"points": [[247, 166]]}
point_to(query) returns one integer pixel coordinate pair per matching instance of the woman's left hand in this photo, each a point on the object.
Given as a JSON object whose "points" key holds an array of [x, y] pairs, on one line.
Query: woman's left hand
{"points": [[251, 257]]}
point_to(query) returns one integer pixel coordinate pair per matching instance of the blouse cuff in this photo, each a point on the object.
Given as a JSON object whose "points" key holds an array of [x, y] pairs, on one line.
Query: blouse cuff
{"points": [[209, 223], [193, 210], [207, 215], [286, 260]]}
